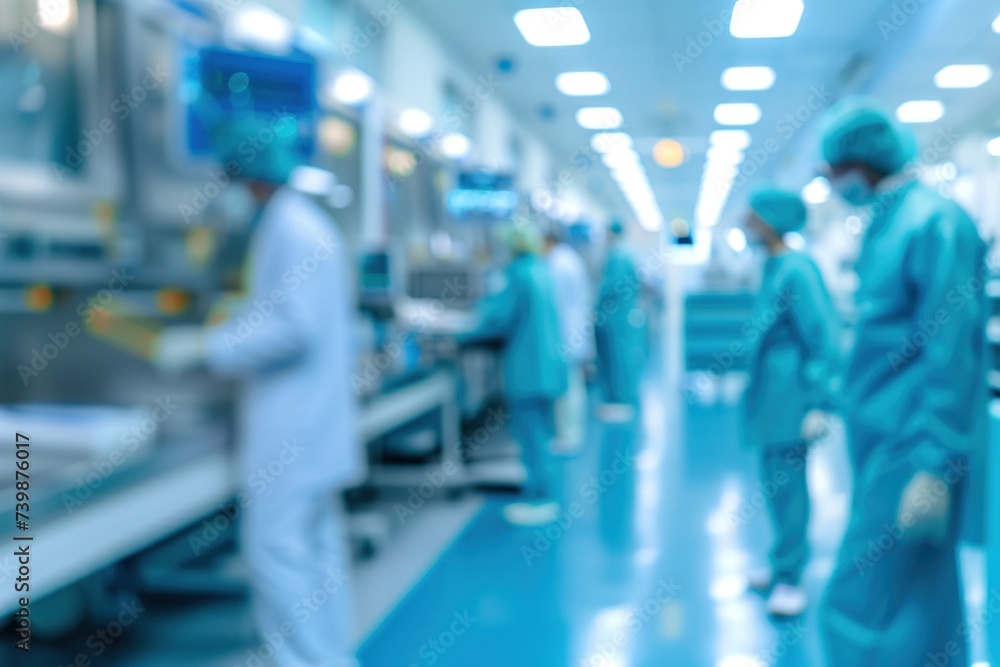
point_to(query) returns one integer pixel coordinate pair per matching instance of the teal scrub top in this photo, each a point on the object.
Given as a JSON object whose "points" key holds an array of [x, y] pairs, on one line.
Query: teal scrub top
{"points": [[793, 358], [524, 315]]}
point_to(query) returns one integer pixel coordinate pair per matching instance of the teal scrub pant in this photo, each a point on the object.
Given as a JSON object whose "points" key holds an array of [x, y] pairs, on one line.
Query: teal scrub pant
{"points": [[618, 370], [783, 482], [892, 600], [532, 426]]}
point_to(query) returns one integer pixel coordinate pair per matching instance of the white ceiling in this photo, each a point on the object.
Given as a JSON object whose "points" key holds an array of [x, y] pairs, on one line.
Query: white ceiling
{"points": [[634, 42]]}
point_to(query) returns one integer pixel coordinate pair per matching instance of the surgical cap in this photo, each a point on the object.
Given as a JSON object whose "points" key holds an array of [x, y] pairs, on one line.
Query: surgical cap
{"points": [[524, 238], [258, 147], [782, 209], [856, 131]]}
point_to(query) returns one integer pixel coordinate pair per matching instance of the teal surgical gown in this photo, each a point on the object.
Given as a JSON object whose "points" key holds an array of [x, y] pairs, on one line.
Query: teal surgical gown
{"points": [[620, 329], [914, 391], [792, 338], [523, 315]]}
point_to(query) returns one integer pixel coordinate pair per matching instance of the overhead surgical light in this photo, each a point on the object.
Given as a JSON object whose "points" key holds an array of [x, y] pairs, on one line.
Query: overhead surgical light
{"points": [[737, 114], [582, 83], [353, 87], [920, 111], [415, 122], [599, 118], [552, 26], [753, 19], [963, 76], [748, 78]]}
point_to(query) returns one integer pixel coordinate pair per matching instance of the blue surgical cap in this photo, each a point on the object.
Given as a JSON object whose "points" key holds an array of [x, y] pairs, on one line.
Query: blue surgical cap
{"points": [[524, 238], [857, 131], [258, 147], [782, 209]]}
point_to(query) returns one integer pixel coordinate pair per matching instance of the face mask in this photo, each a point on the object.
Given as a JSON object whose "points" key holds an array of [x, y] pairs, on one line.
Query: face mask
{"points": [[853, 188]]}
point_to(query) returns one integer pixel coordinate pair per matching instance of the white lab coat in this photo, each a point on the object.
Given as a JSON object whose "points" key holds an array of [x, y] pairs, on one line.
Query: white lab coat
{"points": [[574, 303], [290, 345]]}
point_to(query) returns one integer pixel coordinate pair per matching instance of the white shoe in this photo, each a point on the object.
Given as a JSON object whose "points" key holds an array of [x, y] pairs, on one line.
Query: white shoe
{"points": [[531, 514], [615, 413], [760, 579], [787, 600]]}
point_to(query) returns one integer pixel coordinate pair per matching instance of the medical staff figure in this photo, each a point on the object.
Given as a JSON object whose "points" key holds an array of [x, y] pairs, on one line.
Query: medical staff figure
{"points": [[620, 329], [913, 391], [523, 317], [574, 302], [289, 345], [792, 366]]}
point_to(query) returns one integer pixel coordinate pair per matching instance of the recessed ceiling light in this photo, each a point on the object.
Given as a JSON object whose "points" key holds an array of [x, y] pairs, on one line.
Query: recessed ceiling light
{"points": [[994, 147], [996, 24], [353, 87], [920, 111], [748, 78], [455, 145], [668, 153], [765, 18], [415, 122], [817, 191], [737, 114], [552, 26], [737, 239], [963, 76], [599, 118], [582, 83], [737, 140]]}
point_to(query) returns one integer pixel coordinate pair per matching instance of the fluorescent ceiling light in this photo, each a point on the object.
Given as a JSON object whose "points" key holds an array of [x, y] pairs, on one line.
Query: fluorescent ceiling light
{"points": [[455, 145], [620, 159], [765, 18], [920, 111], [996, 24], [748, 78], [599, 118], [816, 191], [313, 180], [737, 239], [415, 122], [963, 76], [737, 114], [582, 83], [737, 140], [261, 27], [994, 147], [610, 142], [353, 87], [552, 26]]}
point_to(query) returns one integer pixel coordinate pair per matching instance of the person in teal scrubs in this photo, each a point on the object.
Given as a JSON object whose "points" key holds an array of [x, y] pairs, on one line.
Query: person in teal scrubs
{"points": [[914, 390], [620, 331], [523, 315], [793, 364]]}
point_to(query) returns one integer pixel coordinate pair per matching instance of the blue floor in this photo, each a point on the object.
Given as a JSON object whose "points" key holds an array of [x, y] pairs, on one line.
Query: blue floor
{"points": [[644, 569]]}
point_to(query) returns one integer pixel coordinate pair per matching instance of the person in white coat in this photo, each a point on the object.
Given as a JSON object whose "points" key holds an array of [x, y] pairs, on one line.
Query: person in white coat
{"points": [[573, 301], [289, 344]]}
